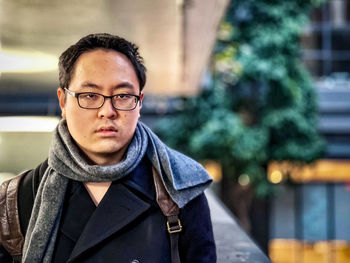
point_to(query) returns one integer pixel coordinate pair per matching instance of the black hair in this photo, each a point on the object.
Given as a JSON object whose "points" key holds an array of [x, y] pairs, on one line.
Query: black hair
{"points": [[100, 41]]}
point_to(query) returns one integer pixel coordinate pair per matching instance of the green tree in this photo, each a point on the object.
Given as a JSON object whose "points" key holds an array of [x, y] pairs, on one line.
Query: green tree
{"points": [[261, 104]]}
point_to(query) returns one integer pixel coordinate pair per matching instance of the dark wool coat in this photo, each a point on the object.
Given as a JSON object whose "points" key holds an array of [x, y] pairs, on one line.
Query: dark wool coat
{"points": [[128, 225]]}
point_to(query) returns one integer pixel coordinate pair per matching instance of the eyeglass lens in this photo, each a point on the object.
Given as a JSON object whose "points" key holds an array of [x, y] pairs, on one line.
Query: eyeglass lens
{"points": [[93, 100]]}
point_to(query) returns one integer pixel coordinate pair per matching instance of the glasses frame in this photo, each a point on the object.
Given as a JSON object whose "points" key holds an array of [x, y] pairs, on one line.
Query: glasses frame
{"points": [[77, 94]]}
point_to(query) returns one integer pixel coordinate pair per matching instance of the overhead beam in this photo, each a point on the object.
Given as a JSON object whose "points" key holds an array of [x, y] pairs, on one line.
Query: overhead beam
{"points": [[175, 36]]}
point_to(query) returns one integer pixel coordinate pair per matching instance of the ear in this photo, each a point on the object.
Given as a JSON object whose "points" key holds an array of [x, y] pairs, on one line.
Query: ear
{"points": [[62, 100], [141, 99]]}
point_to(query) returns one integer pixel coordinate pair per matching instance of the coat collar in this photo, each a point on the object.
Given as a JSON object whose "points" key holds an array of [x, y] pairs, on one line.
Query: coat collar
{"points": [[141, 179], [118, 208]]}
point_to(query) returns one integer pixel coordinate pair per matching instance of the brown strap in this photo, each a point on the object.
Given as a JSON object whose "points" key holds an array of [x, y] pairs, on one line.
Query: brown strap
{"points": [[171, 210], [11, 237], [166, 204], [174, 229]]}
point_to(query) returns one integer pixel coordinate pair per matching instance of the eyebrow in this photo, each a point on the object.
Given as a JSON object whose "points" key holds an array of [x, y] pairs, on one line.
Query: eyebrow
{"points": [[95, 86]]}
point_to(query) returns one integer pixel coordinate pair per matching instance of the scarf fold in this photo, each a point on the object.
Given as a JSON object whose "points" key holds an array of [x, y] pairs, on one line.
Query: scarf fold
{"points": [[183, 178]]}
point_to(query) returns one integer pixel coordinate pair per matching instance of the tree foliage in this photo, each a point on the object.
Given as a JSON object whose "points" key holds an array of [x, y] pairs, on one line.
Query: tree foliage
{"points": [[261, 104]]}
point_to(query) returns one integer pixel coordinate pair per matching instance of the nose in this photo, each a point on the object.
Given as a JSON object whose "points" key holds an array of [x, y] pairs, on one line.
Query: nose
{"points": [[107, 110]]}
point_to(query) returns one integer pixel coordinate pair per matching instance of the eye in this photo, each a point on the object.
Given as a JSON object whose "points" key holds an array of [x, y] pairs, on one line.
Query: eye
{"points": [[123, 97], [89, 96]]}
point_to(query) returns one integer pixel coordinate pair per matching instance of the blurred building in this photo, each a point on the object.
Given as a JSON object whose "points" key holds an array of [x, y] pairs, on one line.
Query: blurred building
{"points": [[310, 218]]}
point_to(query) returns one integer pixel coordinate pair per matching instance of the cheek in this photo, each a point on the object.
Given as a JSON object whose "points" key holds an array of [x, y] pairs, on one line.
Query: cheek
{"points": [[129, 122], [77, 123], [130, 118]]}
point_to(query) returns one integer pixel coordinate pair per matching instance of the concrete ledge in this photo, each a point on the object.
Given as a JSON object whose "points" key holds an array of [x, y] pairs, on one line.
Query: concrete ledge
{"points": [[232, 243]]}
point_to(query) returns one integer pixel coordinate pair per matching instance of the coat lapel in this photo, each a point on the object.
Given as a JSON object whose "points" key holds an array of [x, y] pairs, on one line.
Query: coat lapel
{"points": [[79, 208], [117, 209]]}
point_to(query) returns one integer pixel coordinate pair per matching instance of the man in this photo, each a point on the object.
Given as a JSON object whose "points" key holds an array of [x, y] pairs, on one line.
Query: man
{"points": [[110, 188]]}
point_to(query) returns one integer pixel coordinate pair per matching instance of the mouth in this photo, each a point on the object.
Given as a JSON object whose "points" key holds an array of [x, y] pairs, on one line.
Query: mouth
{"points": [[107, 130]]}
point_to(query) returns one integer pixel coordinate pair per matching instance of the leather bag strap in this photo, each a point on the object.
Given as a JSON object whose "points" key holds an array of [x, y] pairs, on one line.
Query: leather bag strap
{"points": [[171, 210], [174, 229], [11, 237]]}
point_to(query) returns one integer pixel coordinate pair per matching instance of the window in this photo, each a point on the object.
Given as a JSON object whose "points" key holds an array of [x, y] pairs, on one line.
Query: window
{"points": [[326, 40]]}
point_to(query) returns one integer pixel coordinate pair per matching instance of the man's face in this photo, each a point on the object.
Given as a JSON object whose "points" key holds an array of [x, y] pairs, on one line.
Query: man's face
{"points": [[102, 134]]}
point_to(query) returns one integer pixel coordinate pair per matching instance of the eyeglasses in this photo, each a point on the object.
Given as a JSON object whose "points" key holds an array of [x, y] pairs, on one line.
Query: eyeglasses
{"points": [[91, 100]]}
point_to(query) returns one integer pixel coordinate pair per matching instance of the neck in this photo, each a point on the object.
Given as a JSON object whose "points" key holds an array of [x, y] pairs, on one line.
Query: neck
{"points": [[104, 159], [97, 190]]}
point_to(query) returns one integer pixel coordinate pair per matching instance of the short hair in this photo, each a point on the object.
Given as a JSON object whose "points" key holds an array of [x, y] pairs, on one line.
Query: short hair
{"points": [[100, 41]]}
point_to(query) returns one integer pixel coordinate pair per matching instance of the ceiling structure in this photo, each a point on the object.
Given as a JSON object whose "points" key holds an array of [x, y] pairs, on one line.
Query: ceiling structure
{"points": [[175, 37]]}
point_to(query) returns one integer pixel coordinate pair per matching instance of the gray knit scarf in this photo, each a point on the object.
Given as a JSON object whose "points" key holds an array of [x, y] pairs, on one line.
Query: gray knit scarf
{"points": [[183, 178]]}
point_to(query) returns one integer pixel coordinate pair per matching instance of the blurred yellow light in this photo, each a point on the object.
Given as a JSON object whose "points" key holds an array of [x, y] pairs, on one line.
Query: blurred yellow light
{"points": [[276, 177], [244, 179], [214, 170], [18, 61]]}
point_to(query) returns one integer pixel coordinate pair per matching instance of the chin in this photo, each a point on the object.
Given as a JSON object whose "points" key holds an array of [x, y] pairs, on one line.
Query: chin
{"points": [[109, 150]]}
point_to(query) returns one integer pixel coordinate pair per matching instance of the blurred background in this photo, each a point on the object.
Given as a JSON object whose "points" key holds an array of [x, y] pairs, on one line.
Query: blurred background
{"points": [[258, 91]]}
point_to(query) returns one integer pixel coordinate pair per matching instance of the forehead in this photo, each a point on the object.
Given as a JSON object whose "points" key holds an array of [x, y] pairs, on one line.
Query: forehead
{"points": [[103, 65], [103, 57]]}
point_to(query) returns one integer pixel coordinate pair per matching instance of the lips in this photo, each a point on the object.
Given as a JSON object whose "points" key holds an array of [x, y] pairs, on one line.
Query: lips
{"points": [[107, 129]]}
